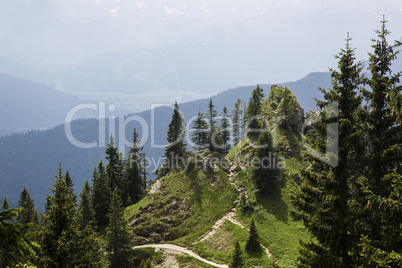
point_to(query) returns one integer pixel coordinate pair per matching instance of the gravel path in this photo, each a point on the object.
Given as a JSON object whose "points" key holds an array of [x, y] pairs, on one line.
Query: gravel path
{"points": [[231, 215], [183, 250]]}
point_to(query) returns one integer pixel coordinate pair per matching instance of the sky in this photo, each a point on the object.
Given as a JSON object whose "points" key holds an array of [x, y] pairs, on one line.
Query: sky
{"points": [[237, 42]]}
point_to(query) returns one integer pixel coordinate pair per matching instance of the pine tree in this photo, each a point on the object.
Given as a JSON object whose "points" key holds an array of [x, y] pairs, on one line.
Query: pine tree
{"points": [[237, 258], [238, 120], [383, 133], [15, 246], [118, 235], [384, 153], [134, 173], [225, 133], [5, 205], [70, 185], [252, 244], [385, 252], [101, 195], [144, 172], [253, 110], [265, 173], [199, 136], [26, 203], [62, 244], [211, 132], [288, 108], [114, 167], [59, 235], [176, 149], [36, 219], [85, 208], [88, 253], [325, 203]]}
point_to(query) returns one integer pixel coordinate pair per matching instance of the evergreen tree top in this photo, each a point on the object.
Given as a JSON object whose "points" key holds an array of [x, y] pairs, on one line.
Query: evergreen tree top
{"points": [[254, 105], [5, 205]]}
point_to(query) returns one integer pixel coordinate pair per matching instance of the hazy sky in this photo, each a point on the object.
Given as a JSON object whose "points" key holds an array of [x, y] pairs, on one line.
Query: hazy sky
{"points": [[285, 39]]}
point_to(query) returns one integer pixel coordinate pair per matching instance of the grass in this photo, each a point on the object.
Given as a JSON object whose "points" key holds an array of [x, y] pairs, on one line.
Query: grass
{"points": [[239, 147], [276, 229], [186, 206], [144, 254], [218, 248]]}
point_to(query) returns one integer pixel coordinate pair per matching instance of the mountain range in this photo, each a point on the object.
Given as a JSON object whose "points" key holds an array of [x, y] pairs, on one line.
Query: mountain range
{"points": [[31, 158]]}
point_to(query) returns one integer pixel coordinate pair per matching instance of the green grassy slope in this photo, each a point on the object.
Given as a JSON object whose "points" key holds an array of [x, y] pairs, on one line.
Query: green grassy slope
{"points": [[186, 205]]}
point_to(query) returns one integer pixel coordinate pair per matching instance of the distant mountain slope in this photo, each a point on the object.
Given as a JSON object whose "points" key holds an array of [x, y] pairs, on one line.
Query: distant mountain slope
{"points": [[13, 68], [206, 61], [26, 105], [30, 159]]}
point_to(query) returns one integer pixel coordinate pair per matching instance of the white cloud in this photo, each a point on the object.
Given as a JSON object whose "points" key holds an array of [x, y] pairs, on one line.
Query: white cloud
{"points": [[114, 11], [141, 4], [204, 8], [172, 10]]}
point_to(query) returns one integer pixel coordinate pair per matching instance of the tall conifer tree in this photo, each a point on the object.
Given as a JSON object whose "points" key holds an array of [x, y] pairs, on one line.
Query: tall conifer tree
{"points": [[199, 136], [134, 172], [114, 167], [224, 133], [252, 243], [5, 205], [70, 185], [118, 235], [85, 208], [381, 177], [15, 246], [238, 120], [26, 203], [211, 118], [382, 133], [237, 258], [176, 148], [253, 110], [62, 244], [325, 202], [101, 195], [289, 108]]}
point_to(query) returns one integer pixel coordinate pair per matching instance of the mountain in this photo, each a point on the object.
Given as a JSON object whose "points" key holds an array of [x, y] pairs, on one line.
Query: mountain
{"points": [[13, 68], [31, 158], [27, 105]]}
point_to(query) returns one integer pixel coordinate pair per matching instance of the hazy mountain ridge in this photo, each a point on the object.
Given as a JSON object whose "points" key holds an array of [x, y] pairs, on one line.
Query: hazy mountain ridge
{"points": [[27, 105]]}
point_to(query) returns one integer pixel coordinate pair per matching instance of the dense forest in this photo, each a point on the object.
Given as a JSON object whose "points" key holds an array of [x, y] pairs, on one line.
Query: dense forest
{"points": [[347, 195]]}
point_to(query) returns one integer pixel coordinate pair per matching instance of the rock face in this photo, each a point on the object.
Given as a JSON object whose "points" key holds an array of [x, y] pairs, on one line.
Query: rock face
{"points": [[154, 222]]}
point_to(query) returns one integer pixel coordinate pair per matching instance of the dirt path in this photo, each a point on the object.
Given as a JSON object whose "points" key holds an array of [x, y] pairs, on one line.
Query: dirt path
{"points": [[230, 216], [183, 250]]}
